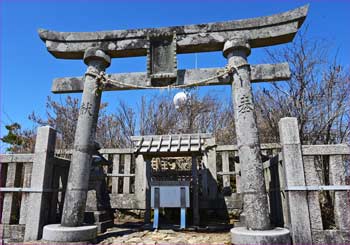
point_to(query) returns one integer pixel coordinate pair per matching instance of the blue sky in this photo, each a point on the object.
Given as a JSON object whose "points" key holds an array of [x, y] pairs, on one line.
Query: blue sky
{"points": [[27, 69]]}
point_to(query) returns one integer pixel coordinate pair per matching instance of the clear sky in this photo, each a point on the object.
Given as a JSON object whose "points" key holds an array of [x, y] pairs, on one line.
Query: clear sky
{"points": [[27, 69]]}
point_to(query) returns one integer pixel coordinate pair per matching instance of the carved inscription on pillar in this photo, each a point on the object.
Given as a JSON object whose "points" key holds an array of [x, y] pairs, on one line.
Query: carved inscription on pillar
{"points": [[245, 104], [86, 108]]}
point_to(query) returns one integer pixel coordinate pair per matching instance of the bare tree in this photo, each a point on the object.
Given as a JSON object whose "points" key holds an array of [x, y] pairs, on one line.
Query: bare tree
{"points": [[205, 114], [317, 94]]}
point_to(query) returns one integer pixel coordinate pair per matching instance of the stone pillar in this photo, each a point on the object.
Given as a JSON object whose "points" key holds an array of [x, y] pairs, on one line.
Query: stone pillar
{"points": [[38, 203], [254, 191], [78, 179], [295, 176]]}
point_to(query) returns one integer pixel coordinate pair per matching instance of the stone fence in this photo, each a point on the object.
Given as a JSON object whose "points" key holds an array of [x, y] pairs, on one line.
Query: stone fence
{"points": [[32, 188], [32, 185]]}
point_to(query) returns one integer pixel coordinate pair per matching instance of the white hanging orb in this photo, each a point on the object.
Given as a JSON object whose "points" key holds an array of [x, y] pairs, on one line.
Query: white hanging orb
{"points": [[180, 99]]}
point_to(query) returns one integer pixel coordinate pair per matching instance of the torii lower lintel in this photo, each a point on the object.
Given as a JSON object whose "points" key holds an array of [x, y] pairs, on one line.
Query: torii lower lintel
{"points": [[189, 77]]}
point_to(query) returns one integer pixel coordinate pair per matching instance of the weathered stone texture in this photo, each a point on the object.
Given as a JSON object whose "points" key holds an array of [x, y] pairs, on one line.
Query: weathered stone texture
{"points": [[294, 175], [337, 172], [84, 142], [259, 73], [38, 209], [311, 178], [263, 31], [255, 198]]}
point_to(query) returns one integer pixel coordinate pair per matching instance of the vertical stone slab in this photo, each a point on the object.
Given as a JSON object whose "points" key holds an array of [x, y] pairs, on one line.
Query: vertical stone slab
{"points": [[142, 185], [63, 185], [204, 179], [225, 169], [195, 203], [11, 198], [127, 166], [38, 206], [255, 197], [337, 173], [140, 181], [54, 195], [274, 193], [311, 178], [294, 174], [238, 178], [148, 167], [115, 180], [84, 140], [27, 176], [283, 193], [211, 165]]}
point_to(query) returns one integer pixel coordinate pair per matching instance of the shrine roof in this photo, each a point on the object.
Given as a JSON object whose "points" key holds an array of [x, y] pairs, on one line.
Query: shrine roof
{"points": [[163, 144]]}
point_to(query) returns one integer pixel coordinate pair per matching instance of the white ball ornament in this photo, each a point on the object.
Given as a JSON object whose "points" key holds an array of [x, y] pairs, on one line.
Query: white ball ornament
{"points": [[180, 99]]}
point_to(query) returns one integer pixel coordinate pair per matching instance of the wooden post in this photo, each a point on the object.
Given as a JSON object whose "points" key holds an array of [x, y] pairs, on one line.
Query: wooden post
{"points": [[337, 173], [115, 180], [41, 179], [195, 204], [294, 174]]}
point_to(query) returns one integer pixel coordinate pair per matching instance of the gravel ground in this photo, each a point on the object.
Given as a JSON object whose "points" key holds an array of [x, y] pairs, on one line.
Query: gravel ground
{"points": [[168, 236]]}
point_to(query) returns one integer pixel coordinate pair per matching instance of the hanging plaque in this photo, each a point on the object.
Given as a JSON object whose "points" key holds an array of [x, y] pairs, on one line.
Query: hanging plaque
{"points": [[161, 59]]}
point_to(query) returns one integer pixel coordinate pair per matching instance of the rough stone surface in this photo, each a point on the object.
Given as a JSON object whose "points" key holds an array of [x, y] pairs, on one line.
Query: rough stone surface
{"points": [[254, 199], [13, 233], [38, 202], [337, 173], [84, 143], [242, 235], [331, 237], [263, 31], [294, 176], [259, 73], [58, 233]]}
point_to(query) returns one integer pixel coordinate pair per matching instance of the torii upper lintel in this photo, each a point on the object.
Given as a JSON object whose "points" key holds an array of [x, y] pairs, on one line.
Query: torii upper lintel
{"points": [[260, 32]]}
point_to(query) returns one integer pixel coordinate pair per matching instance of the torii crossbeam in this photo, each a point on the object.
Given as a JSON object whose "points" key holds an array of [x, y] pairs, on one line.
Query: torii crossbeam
{"points": [[234, 38]]}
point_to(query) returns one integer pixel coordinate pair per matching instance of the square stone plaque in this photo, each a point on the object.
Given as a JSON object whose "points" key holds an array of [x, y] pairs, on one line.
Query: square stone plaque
{"points": [[161, 59]]}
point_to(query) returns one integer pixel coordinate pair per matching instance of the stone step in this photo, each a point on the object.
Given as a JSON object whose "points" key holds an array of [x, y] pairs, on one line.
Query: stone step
{"points": [[103, 226], [97, 216]]}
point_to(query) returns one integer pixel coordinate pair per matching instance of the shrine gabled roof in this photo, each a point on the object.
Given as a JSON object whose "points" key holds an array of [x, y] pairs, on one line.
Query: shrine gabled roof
{"points": [[181, 143]]}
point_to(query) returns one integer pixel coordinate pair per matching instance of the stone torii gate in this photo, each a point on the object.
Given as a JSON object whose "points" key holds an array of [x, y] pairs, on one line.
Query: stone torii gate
{"points": [[234, 38]]}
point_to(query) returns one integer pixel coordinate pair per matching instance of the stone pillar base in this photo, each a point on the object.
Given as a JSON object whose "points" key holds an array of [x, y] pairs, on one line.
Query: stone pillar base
{"points": [[58, 233], [241, 235]]}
